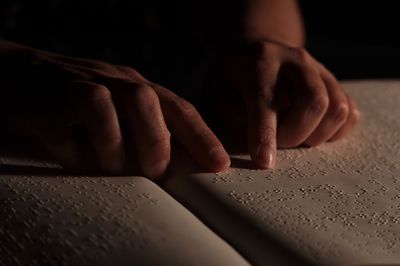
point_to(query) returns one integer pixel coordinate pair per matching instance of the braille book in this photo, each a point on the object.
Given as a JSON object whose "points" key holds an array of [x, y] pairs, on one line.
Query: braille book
{"points": [[336, 204]]}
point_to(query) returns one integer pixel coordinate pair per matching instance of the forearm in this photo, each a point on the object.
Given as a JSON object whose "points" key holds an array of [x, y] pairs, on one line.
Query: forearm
{"points": [[276, 20], [245, 21]]}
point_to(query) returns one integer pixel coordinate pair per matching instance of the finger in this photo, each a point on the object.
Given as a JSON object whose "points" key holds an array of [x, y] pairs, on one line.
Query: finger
{"points": [[94, 105], [304, 115], [261, 133], [352, 120], [150, 134], [261, 116], [190, 129], [336, 114]]}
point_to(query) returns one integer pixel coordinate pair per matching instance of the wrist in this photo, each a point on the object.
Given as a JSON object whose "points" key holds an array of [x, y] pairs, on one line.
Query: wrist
{"points": [[247, 21]]}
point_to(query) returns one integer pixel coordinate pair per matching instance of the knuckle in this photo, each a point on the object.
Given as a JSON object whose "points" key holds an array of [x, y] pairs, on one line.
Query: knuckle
{"points": [[144, 93], [301, 54], [184, 107], [144, 96], [318, 104], [339, 112], [100, 97]]}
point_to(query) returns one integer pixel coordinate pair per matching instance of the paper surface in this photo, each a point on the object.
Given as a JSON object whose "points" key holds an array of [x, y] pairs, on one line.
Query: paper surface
{"points": [[101, 221], [337, 204]]}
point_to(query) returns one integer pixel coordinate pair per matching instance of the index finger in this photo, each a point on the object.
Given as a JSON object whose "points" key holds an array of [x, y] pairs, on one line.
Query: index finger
{"points": [[261, 133], [187, 125], [262, 116]]}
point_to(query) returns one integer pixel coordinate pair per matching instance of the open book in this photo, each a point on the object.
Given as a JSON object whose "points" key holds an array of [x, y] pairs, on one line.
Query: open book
{"points": [[337, 204]]}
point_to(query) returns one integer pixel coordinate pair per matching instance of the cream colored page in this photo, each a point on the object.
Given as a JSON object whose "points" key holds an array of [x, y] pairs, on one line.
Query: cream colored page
{"points": [[337, 204], [100, 221]]}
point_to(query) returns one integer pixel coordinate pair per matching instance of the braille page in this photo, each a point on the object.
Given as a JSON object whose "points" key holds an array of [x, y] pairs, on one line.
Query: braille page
{"points": [[101, 221], [336, 204]]}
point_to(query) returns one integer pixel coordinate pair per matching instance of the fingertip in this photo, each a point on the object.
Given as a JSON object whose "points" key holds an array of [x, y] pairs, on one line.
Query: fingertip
{"points": [[265, 157], [219, 159]]}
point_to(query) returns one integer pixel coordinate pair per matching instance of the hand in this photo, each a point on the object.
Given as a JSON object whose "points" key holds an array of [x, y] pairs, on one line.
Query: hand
{"points": [[127, 120], [278, 96]]}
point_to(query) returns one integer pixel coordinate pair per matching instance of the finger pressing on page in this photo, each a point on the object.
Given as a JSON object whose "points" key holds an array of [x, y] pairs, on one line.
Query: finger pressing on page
{"points": [[261, 133], [337, 112], [189, 128], [352, 120], [309, 107], [93, 104], [147, 128], [261, 116]]}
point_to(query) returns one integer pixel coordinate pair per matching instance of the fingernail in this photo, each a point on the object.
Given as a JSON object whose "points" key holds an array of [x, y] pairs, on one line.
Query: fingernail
{"points": [[266, 156], [357, 114], [158, 169], [219, 158]]}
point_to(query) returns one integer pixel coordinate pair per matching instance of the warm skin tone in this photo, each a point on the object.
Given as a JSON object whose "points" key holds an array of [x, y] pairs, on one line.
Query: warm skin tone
{"points": [[288, 99], [129, 119]]}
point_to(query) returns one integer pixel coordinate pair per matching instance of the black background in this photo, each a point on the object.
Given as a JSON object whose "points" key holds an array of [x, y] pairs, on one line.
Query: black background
{"points": [[355, 39]]}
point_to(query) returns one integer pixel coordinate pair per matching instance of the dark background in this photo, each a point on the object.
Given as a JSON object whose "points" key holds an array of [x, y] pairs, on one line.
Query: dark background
{"points": [[355, 39]]}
